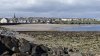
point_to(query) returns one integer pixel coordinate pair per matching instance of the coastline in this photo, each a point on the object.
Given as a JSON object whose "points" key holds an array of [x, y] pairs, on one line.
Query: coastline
{"points": [[84, 41], [41, 27]]}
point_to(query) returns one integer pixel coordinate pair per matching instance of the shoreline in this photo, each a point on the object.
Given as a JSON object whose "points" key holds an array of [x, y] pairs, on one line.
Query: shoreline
{"points": [[41, 27]]}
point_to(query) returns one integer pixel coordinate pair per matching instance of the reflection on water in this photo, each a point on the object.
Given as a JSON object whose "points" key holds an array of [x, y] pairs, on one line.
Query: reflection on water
{"points": [[80, 28]]}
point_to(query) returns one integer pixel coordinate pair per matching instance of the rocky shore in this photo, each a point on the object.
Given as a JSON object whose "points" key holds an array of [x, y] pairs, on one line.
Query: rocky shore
{"points": [[85, 41], [13, 45], [10, 45]]}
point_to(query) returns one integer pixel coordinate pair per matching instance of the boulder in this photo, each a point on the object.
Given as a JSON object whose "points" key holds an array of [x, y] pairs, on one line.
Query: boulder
{"points": [[6, 53], [24, 46], [39, 50], [2, 48], [65, 50], [10, 43]]}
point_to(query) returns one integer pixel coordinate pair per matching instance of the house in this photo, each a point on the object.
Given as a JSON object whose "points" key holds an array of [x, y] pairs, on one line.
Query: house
{"points": [[4, 20], [66, 19], [22, 20]]}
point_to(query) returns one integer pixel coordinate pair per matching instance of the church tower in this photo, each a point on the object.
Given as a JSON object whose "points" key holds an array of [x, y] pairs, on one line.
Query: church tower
{"points": [[14, 15], [15, 19]]}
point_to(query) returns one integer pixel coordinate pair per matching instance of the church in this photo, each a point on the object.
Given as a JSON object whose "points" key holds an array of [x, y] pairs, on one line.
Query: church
{"points": [[7, 20]]}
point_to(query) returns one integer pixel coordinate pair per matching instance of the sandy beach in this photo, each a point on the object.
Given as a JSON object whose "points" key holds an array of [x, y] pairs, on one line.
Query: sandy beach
{"points": [[36, 27]]}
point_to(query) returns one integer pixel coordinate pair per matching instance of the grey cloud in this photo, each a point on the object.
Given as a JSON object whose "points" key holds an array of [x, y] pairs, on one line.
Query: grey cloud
{"points": [[51, 8]]}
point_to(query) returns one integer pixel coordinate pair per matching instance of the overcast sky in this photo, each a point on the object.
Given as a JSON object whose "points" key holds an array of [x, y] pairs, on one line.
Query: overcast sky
{"points": [[50, 8]]}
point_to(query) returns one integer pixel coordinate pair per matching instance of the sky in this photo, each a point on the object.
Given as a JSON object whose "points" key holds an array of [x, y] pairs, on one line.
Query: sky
{"points": [[50, 8]]}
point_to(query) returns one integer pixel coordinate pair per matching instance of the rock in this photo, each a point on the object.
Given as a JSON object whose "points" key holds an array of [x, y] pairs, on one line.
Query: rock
{"points": [[24, 46], [6, 53], [16, 54], [44, 54], [39, 50], [7, 42], [10, 43], [76, 54], [34, 50], [97, 55], [65, 50], [2, 48], [19, 54], [58, 51], [15, 44], [70, 50]]}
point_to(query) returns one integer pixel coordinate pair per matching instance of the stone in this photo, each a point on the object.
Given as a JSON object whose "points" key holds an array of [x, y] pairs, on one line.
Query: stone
{"points": [[34, 50], [16, 54], [6, 53], [2, 48], [75, 54], [39, 50], [24, 46], [65, 50], [10, 43]]}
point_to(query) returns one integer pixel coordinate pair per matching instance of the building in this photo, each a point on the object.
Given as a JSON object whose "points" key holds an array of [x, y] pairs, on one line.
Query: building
{"points": [[4, 20], [66, 19]]}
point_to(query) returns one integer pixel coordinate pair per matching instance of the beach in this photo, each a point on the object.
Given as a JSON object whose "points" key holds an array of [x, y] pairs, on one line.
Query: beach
{"points": [[43, 27]]}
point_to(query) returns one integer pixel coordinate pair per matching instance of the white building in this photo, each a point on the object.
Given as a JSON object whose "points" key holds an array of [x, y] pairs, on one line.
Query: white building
{"points": [[4, 20], [66, 19]]}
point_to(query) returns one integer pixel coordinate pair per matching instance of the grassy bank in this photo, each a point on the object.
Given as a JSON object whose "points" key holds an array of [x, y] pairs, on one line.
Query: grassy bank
{"points": [[84, 41]]}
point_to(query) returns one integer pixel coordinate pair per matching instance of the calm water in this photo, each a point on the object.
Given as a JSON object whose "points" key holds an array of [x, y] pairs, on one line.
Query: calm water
{"points": [[80, 28]]}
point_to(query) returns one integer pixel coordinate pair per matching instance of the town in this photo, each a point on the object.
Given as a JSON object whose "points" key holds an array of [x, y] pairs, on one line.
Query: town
{"points": [[48, 20]]}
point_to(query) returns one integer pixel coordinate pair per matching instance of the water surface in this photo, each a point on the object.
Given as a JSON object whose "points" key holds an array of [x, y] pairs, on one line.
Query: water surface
{"points": [[80, 28]]}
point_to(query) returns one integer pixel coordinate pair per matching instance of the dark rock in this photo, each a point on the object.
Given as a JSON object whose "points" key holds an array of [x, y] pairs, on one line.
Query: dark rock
{"points": [[15, 44], [10, 43], [65, 50], [44, 54], [34, 50], [24, 46], [20, 54], [39, 50], [71, 50], [2, 48], [6, 53], [7, 42]]}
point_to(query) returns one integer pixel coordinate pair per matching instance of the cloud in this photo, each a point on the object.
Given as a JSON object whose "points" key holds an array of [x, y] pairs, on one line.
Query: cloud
{"points": [[51, 8]]}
